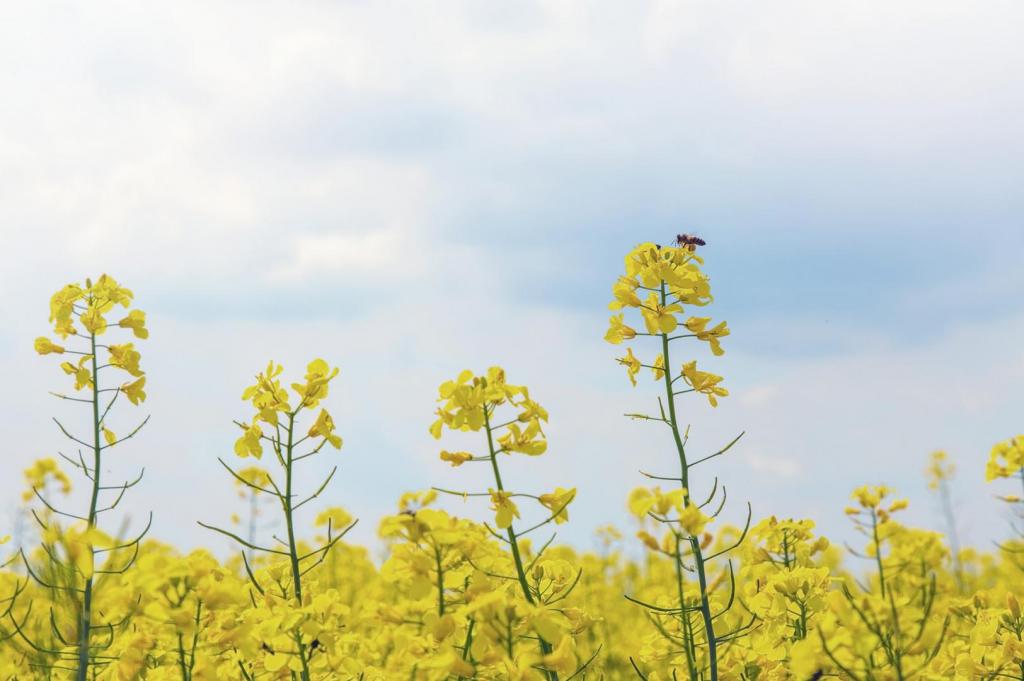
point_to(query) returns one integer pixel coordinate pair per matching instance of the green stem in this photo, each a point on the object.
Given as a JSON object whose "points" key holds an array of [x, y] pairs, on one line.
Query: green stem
{"points": [[440, 581], [878, 551], [705, 607], [85, 624], [516, 557], [195, 638], [181, 658], [545, 647], [468, 642], [293, 552], [684, 469], [684, 477], [684, 617], [954, 539]]}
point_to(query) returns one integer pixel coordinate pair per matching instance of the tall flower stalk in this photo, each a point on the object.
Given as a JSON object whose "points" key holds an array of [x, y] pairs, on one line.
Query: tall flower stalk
{"points": [[660, 281], [940, 474], [79, 314], [290, 444], [472, 403]]}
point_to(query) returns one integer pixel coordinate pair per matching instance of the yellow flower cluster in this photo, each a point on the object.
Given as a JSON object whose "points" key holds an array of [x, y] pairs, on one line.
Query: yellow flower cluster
{"points": [[487, 594]]}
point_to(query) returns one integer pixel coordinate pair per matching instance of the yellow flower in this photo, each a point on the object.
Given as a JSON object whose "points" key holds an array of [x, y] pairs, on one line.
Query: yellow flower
{"points": [[414, 500], [1006, 459], [529, 441], [324, 427], [134, 390], [624, 291], [45, 346], [898, 505], [618, 331], [107, 292], [249, 444], [648, 540], [870, 496], [1013, 605], [83, 377], [41, 472], [62, 308], [704, 382], [318, 376], [504, 508], [455, 458], [254, 475], [529, 410], [126, 357], [631, 363], [558, 503], [462, 400], [939, 469], [643, 501], [659, 318], [276, 661], [136, 321], [698, 327], [693, 520], [562, 659], [658, 368], [338, 517], [93, 320], [109, 436]]}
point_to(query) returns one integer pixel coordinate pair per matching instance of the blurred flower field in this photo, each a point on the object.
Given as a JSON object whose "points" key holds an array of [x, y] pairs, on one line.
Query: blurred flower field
{"points": [[458, 598]]}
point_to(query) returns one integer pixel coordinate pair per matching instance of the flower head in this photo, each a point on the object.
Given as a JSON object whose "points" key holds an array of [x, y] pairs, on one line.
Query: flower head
{"points": [[324, 427], [1006, 459], [632, 365], [558, 503], [698, 327], [504, 508], [704, 382]]}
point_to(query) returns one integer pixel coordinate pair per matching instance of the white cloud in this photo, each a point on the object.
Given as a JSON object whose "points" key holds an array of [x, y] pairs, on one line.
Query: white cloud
{"points": [[358, 255], [758, 395], [781, 466]]}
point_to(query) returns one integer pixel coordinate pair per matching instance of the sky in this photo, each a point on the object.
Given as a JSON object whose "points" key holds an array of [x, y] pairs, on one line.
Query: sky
{"points": [[411, 189]]}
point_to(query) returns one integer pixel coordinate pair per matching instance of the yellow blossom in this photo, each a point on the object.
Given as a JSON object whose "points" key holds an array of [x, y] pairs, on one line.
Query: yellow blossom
{"points": [[504, 508], [136, 321], [45, 346], [249, 443], [455, 458], [126, 357], [704, 382], [134, 390], [1006, 459], [558, 503], [324, 427], [618, 331], [712, 336], [632, 365], [659, 318]]}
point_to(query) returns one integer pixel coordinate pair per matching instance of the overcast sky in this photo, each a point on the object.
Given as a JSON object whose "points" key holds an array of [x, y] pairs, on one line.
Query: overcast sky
{"points": [[408, 191]]}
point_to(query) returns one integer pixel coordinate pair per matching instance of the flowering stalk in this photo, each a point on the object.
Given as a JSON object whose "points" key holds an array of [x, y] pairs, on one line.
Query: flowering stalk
{"points": [[272, 404], [470, 403], [672, 278], [71, 307], [86, 617], [510, 530], [684, 480], [940, 472]]}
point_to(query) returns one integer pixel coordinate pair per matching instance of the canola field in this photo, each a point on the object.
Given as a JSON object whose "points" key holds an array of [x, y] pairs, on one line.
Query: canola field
{"points": [[458, 598]]}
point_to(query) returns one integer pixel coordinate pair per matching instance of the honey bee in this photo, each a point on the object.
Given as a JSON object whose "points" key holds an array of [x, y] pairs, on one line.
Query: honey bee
{"points": [[689, 241]]}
